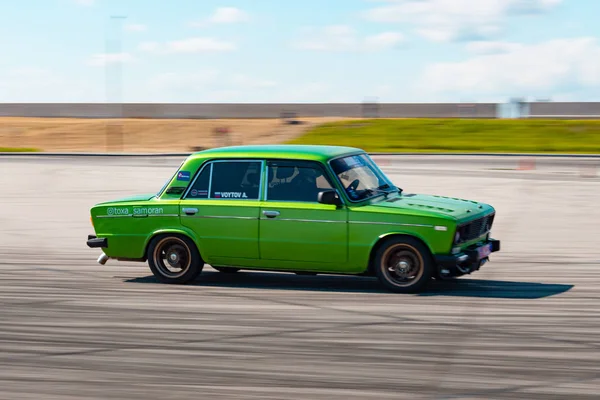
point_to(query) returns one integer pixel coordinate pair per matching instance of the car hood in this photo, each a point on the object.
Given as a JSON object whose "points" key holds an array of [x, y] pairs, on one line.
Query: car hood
{"points": [[459, 209]]}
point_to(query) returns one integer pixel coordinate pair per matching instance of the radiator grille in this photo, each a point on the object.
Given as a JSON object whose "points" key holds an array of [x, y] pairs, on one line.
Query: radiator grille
{"points": [[476, 228]]}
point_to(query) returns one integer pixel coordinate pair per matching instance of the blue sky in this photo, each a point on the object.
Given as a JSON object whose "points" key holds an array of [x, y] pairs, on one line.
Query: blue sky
{"points": [[299, 51]]}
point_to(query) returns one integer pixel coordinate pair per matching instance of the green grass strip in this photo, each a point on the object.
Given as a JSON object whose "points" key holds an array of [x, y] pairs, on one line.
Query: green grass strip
{"points": [[18, 150], [460, 135]]}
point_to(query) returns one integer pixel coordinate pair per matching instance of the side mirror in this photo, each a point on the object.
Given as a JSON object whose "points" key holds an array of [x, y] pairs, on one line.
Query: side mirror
{"points": [[329, 196]]}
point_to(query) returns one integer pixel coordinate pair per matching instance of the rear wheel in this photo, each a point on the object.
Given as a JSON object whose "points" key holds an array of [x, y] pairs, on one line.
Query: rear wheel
{"points": [[174, 259], [403, 265], [227, 270]]}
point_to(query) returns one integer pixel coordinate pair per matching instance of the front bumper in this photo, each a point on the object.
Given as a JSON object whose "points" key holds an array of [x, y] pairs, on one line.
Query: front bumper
{"points": [[95, 242], [467, 261]]}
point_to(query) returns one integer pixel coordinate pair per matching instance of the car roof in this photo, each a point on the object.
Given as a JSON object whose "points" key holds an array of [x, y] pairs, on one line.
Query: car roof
{"points": [[288, 151]]}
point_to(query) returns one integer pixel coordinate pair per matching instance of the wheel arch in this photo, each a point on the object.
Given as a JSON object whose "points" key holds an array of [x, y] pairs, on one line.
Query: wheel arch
{"points": [[175, 231], [383, 238]]}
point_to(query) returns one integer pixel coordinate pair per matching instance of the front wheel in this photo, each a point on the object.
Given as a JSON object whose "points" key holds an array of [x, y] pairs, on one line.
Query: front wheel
{"points": [[174, 259], [403, 265]]}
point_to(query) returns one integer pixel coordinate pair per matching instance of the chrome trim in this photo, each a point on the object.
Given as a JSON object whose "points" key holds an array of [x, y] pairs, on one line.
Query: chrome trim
{"points": [[210, 176], [303, 220], [115, 216], [189, 210], [389, 223], [271, 213], [462, 258], [218, 216], [441, 228], [161, 215]]}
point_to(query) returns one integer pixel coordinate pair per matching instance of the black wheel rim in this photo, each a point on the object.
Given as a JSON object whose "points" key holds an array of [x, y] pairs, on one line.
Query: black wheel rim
{"points": [[172, 257], [402, 265]]}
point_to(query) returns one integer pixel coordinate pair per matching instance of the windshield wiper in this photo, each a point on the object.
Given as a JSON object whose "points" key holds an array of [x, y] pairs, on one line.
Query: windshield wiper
{"points": [[378, 191]]}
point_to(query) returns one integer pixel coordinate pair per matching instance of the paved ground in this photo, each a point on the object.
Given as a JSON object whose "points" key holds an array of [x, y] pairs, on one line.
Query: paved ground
{"points": [[526, 326]]}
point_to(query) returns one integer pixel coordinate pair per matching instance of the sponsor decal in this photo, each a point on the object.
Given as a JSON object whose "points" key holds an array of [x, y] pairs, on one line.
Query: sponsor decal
{"points": [[199, 193], [148, 210], [354, 162], [117, 211], [183, 176], [231, 195]]}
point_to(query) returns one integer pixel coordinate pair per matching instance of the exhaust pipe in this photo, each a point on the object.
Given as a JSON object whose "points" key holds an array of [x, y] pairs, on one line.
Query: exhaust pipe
{"points": [[103, 259]]}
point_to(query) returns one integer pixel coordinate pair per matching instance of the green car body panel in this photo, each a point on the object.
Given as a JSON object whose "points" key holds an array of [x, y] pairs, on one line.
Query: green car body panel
{"points": [[305, 236]]}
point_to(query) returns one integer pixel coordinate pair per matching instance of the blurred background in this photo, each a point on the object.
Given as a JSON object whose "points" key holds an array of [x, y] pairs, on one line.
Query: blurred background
{"points": [[489, 100]]}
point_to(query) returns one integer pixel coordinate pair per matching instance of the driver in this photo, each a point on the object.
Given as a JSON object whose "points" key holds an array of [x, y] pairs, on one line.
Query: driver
{"points": [[306, 183]]}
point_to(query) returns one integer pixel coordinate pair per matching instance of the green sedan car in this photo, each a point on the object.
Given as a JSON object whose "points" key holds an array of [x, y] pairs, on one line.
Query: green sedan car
{"points": [[297, 209]]}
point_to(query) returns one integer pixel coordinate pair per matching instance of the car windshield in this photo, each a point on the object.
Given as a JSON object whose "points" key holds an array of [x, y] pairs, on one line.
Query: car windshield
{"points": [[361, 177]]}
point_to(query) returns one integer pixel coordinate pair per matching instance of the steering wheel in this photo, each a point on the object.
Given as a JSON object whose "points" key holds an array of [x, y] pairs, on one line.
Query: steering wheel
{"points": [[353, 185]]}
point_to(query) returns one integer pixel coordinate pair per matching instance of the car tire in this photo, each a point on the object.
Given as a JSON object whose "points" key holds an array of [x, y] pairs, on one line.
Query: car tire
{"points": [[174, 259], [227, 270], [403, 265]]}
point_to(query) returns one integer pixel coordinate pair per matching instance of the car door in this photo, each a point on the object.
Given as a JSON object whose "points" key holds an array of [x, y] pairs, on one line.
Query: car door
{"points": [[222, 207], [294, 227]]}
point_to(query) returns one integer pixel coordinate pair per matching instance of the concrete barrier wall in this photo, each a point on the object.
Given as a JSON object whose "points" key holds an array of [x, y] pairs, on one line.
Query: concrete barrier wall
{"points": [[247, 110], [204, 110], [564, 110]]}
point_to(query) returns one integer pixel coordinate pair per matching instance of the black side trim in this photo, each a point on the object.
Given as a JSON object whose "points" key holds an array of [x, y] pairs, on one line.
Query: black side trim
{"points": [[95, 242]]}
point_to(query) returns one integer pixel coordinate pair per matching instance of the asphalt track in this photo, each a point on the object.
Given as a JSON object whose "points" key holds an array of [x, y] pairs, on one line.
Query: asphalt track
{"points": [[526, 326]]}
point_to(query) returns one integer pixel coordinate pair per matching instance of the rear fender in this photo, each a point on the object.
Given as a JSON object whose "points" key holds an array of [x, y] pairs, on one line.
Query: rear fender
{"points": [[180, 231]]}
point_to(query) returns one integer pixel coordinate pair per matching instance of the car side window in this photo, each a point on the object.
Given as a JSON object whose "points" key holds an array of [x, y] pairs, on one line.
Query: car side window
{"points": [[228, 180], [235, 180], [200, 187], [294, 181]]}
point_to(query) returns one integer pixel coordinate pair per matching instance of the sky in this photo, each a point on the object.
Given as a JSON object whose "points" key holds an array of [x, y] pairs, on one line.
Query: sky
{"points": [[273, 51]]}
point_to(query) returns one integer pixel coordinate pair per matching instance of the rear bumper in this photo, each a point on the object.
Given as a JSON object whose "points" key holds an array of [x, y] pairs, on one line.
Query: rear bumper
{"points": [[467, 261], [95, 242]]}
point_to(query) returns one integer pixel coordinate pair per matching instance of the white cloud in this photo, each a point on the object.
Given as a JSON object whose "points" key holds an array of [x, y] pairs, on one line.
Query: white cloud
{"points": [[492, 47], [102, 59], [344, 38], [556, 66], [210, 79], [34, 84], [208, 85], [223, 15], [456, 20], [190, 45], [84, 2], [246, 82], [135, 27], [383, 41], [178, 81], [228, 15]]}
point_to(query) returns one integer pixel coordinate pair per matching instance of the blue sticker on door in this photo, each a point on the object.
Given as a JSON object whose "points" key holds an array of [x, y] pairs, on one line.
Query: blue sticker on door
{"points": [[183, 176]]}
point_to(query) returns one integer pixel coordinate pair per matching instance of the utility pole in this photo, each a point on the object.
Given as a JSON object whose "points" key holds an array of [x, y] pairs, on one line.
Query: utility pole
{"points": [[113, 80]]}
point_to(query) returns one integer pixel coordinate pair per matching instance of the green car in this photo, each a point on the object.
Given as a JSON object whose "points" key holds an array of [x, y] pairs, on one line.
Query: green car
{"points": [[297, 209]]}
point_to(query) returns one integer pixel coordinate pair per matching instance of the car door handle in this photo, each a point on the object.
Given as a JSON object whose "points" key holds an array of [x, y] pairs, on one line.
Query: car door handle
{"points": [[271, 214], [190, 211]]}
